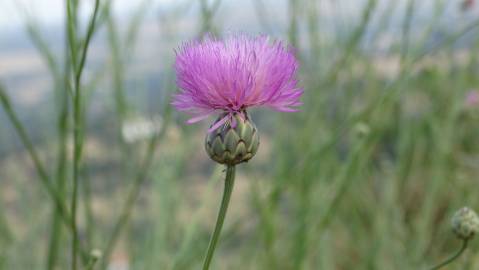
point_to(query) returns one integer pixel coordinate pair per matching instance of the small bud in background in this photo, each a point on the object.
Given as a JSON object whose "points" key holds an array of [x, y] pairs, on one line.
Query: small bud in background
{"points": [[465, 223], [96, 254], [236, 141], [141, 128], [362, 129]]}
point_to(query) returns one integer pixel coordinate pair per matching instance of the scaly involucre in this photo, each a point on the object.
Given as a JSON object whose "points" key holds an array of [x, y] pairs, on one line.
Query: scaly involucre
{"points": [[234, 74]]}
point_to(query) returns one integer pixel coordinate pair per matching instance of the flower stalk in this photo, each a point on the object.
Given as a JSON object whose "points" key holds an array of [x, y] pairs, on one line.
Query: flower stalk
{"points": [[453, 257], [229, 183], [465, 224]]}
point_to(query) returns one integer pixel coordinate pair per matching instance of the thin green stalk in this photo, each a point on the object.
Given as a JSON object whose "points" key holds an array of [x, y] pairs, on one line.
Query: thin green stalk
{"points": [[76, 169], [60, 174], [62, 129], [406, 28], [91, 28], [453, 257], [313, 30], [71, 32], [229, 183], [88, 209], [207, 13], [293, 8], [72, 41], [77, 111], [117, 65]]}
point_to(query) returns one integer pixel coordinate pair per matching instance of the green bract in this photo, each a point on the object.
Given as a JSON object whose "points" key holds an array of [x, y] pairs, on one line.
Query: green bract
{"points": [[231, 146]]}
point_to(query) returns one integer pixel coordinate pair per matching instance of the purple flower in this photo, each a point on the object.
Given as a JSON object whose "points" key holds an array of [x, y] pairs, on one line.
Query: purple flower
{"points": [[234, 74], [472, 98]]}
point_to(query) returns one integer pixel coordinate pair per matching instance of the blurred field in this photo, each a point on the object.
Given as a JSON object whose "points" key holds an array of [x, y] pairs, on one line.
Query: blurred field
{"points": [[366, 176]]}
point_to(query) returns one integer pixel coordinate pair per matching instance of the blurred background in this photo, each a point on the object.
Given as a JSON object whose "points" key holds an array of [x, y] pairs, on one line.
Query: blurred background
{"points": [[365, 176]]}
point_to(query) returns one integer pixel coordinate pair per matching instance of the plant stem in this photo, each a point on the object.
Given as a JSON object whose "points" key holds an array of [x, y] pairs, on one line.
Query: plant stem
{"points": [[453, 257], [72, 41], [92, 263], [62, 129], [77, 111], [229, 183]]}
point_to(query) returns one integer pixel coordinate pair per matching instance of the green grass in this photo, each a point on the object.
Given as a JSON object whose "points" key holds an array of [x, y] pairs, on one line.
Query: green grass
{"points": [[366, 176]]}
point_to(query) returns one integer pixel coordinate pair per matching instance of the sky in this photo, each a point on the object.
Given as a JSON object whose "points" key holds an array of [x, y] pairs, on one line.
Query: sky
{"points": [[50, 12]]}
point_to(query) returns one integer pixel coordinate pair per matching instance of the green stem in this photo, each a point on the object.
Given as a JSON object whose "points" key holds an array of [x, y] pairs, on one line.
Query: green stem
{"points": [[56, 232], [453, 257], [92, 263], [77, 113], [62, 129], [229, 183]]}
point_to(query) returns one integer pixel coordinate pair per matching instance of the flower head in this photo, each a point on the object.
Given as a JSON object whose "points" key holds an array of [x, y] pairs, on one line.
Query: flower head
{"points": [[465, 223], [472, 98], [234, 74]]}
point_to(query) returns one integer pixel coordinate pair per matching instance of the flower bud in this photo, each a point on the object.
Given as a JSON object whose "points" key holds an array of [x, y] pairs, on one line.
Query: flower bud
{"points": [[362, 129], [235, 141], [96, 254], [465, 223]]}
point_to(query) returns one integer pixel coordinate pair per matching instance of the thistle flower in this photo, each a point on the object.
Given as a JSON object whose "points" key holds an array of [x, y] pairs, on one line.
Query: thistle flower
{"points": [[472, 98], [467, 5], [465, 223], [229, 76]]}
